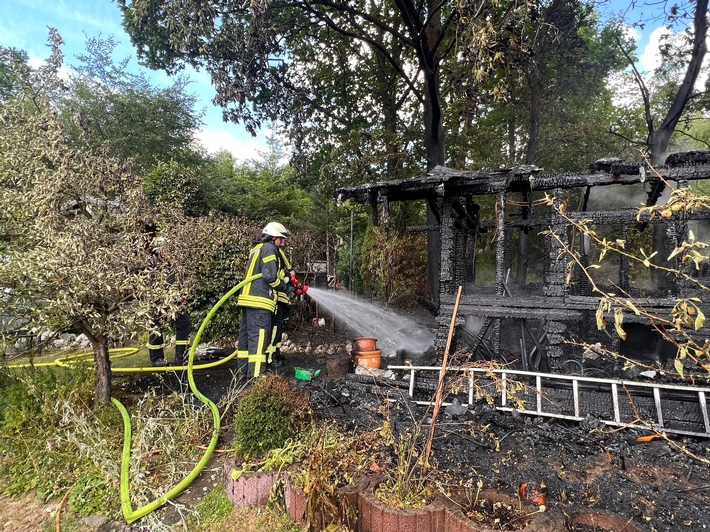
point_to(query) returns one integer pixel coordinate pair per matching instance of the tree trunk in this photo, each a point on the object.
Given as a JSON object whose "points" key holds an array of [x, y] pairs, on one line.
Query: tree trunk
{"points": [[435, 156], [102, 363], [521, 274], [659, 140], [429, 58]]}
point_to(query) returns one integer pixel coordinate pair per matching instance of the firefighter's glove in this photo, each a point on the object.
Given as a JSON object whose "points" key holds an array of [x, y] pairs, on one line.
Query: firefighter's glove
{"points": [[302, 289], [295, 282]]}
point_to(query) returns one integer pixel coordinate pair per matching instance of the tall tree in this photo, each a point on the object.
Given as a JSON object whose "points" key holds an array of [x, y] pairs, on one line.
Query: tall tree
{"points": [[77, 259], [662, 122], [111, 108], [663, 111], [565, 73], [77, 229], [248, 48]]}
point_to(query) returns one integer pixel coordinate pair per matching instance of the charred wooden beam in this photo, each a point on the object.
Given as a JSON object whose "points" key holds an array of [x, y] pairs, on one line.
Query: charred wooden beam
{"points": [[457, 182]]}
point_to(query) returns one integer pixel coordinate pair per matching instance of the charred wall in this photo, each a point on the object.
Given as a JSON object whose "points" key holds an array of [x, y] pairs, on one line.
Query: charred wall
{"points": [[527, 305]]}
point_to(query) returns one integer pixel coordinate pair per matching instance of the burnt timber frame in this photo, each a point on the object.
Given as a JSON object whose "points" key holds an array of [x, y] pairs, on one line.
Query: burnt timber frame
{"points": [[451, 193]]}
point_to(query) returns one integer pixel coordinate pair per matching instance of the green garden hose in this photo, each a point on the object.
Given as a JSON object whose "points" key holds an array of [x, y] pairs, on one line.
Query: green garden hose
{"points": [[71, 360], [128, 511]]}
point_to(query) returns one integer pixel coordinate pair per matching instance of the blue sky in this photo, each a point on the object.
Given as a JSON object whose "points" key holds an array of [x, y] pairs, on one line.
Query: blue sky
{"points": [[24, 23]]}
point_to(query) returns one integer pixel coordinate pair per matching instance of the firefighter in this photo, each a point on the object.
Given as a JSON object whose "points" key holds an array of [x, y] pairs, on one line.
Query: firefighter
{"points": [[283, 301], [180, 318], [258, 299], [183, 326], [156, 344]]}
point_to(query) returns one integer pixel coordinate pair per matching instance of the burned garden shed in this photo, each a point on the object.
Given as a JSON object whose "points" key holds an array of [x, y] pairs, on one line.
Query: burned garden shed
{"points": [[495, 236]]}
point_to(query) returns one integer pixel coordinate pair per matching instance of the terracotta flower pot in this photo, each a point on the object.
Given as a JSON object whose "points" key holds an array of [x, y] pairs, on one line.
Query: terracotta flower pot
{"points": [[296, 502], [368, 359], [375, 516], [364, 344]]}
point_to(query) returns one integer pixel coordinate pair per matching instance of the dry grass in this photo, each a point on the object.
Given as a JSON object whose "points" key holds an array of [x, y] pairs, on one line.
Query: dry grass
{"points": [[255, 520]]}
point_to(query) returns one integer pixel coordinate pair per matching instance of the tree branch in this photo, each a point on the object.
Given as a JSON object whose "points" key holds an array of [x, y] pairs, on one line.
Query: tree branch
{"points": [[642, 88], [693, 137], [633, 142]]}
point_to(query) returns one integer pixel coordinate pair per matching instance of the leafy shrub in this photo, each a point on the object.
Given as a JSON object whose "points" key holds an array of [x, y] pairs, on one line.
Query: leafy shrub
{"points": [[30, 397], [270, 413], [30, 423]]}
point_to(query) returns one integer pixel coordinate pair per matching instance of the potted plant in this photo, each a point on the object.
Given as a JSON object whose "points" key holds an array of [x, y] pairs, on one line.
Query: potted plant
{"points": [[267, 419]]}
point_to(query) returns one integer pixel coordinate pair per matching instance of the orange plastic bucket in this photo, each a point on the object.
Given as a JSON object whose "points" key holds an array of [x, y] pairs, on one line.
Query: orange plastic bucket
{"points": [[368, 359]]}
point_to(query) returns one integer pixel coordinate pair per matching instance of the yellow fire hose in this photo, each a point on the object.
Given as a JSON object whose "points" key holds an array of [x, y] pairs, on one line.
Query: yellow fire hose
{"points": [[128, 512], [126, 507]]}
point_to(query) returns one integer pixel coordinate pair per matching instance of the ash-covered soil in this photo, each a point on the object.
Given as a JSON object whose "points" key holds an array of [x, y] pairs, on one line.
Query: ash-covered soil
{"points": [[587, 468]]}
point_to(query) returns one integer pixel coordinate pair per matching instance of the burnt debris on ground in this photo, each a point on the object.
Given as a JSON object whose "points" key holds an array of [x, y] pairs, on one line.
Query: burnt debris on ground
{"points": [[658, 485]]}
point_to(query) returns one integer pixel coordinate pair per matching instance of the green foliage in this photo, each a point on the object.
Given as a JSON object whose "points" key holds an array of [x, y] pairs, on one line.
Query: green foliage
{"points": [[213, 508], [393, 267], [33, 454], [177, 186], [110, 110], [10, 61], [257, 190], [32, 395], [208, 258], [92, 495], [268, 415]]}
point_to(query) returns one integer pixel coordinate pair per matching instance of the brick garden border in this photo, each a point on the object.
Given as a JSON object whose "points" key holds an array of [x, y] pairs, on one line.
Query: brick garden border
{"points": [[364, 512]]}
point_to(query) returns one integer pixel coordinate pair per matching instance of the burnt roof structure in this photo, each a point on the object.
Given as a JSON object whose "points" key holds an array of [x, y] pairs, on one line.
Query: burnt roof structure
{"points": [[520, 303]]}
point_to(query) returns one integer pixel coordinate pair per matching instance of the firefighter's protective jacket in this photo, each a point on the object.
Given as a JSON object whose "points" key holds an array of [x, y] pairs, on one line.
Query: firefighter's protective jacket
{"points": [[261, 293], [282, 296]]}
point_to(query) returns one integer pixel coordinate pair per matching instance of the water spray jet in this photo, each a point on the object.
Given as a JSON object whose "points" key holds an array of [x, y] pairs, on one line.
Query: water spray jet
{"points": [[367, 321]]}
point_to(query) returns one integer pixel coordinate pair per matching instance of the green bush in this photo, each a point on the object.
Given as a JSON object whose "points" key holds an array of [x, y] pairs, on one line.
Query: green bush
{"points": [[34, 455], [270, 413]]}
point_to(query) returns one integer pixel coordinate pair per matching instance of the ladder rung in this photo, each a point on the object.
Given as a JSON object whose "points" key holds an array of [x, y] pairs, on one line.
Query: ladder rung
{"points": [[538, 387], [575, 391], [704, 410], [659, 409], [615, 399]]}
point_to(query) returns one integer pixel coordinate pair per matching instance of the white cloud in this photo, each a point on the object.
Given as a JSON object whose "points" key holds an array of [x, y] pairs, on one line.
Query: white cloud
{"points": [[650, 58], [632, 32], [216, 140], [64, 72]]}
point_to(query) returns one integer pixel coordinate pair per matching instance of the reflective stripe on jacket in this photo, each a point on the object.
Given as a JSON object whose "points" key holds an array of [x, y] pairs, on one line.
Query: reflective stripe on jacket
{"points": [[261, 293], [282, 295]]}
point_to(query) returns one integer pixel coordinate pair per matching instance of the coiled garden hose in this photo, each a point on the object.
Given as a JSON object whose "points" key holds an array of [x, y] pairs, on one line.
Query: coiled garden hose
{"points": [[71, 360], [126, 507]]}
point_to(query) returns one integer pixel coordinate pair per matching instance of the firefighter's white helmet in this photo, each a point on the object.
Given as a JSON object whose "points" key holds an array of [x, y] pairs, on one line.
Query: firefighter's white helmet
{"points": [[276, 230]]}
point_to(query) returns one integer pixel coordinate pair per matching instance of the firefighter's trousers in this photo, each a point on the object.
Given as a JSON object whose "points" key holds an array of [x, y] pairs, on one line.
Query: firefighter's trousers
{"points": [[254, 338]]}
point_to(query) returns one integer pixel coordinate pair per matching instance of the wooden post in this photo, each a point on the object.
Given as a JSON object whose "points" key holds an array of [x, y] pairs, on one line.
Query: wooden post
{"points": [[440, 386]]}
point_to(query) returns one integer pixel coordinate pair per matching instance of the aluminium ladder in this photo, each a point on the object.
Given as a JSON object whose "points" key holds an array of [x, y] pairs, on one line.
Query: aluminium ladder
{"points": [[670, 408]]}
